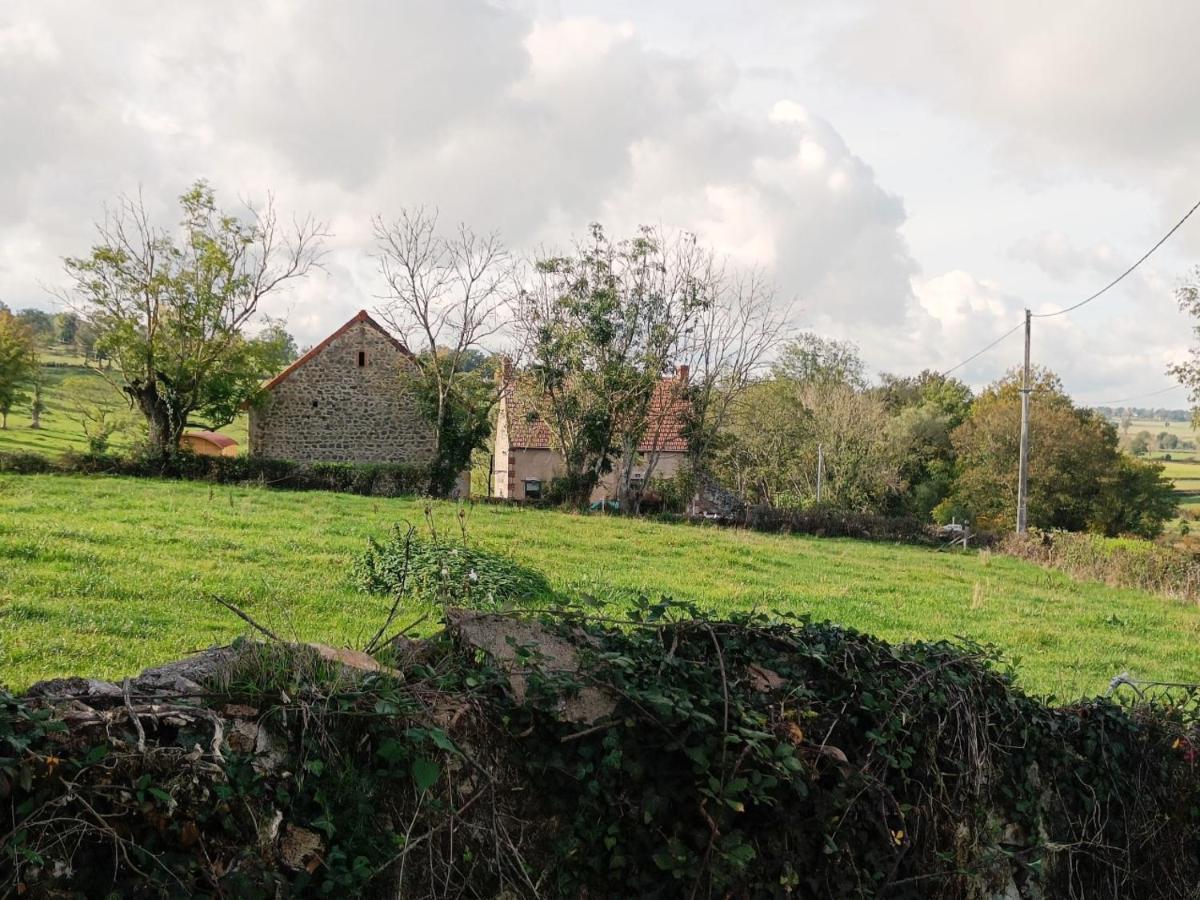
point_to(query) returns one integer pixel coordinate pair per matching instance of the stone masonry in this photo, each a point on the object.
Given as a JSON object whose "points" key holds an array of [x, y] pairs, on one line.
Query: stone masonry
{"points": [[346, 400]]}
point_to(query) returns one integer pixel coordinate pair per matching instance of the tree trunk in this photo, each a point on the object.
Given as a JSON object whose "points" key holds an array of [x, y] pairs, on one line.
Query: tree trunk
{"points": [[164, 424], [36, 407]]}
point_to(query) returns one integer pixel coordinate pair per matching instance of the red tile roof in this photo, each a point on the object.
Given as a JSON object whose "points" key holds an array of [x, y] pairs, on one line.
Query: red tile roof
{"points": [[362, 316], [664, 433]]}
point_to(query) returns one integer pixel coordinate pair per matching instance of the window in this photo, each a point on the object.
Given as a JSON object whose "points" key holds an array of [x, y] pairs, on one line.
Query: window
{"points": [[362, 358], [533, 489]]}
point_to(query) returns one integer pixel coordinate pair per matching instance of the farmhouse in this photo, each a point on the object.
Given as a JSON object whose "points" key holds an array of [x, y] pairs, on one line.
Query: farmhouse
{"points": [[345, 400], [525, 462]]}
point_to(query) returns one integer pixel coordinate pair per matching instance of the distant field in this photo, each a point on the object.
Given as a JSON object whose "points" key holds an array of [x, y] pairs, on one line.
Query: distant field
{"points": [[61, 429], [1183, 467], [103, 576]]}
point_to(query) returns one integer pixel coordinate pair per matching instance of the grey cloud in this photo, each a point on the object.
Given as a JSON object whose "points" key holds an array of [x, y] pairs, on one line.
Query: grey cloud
{"points": [[1056, 255], [534, 126], [1107, 82]]}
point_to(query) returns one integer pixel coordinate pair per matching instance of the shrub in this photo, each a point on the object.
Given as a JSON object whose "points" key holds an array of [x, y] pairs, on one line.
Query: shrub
{"points": [[1123, 562], [434, 571]]}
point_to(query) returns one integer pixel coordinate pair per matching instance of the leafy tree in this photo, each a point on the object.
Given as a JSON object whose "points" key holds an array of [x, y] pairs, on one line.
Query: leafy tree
{"points": [[601, 325], [1075, 468], [171, 309], [925, 408], [1167, 441], [275, 333], [1138, 499], [784, 424], [1140, 445], [40, 324], [18, 362], [811, 358], [66, 328]]}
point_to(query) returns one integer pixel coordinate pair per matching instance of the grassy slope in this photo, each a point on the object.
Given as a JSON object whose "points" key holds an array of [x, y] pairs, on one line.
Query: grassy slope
{"points": [[61, 430], [103, 576]]}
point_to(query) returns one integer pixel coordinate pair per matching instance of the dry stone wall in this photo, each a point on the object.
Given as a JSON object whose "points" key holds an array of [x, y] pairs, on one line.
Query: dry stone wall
{"points": [[332, 409]]}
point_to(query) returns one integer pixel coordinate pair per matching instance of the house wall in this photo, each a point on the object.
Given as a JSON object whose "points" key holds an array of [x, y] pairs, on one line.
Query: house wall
{"points": [[668, 464], [332, 410], [500, 454], [546, 465]]}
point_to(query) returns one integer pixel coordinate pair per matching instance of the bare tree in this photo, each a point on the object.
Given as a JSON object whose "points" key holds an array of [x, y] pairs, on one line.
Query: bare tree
{"points": [[728, 349], [447, 297]]}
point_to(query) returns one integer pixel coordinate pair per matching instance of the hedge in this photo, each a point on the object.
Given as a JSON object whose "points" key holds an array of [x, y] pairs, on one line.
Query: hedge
{"points": [[1122, 562], [372, 479], [668, 755], [830, 522]]}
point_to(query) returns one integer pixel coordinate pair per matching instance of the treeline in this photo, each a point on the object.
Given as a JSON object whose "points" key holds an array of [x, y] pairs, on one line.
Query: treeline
{"points": [[925, 446], [1126, 414]]}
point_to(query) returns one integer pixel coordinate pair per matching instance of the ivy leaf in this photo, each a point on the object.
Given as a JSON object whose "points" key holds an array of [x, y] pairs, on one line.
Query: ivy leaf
{"points": [[425, 773], [442, 740]]}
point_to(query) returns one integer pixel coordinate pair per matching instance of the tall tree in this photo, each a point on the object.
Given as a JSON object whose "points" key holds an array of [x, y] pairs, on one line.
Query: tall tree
{"points": [[726, 351], [601, 324], [448, 296], [1077, 478], [171, 308], [275, 332], [18, 362], [66, 328], [40, 324], [812, 359], [925, 410]]}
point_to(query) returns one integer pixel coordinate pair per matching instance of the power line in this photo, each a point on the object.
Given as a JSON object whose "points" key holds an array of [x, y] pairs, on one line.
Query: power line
{"points": [[1174, 387], [1121, 277], [985, 349]]}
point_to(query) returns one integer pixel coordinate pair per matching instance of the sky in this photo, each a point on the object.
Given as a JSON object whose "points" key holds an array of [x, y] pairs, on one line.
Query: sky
{"points": [[911, 175]]}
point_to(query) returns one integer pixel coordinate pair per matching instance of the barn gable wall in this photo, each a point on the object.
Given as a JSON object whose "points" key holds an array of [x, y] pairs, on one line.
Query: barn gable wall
{"points": [[330, 409]]}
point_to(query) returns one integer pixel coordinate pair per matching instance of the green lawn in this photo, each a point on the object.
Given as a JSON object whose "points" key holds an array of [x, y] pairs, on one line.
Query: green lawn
{"points": [[103, 576], [60, 429]]}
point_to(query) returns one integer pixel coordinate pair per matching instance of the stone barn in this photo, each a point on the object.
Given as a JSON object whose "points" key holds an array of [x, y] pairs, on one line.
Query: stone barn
{"points": [[345, 400]]}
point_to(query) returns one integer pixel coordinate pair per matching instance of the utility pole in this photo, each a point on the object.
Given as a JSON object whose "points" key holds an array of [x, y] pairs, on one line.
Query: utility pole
{"points": [[1023, 469]]}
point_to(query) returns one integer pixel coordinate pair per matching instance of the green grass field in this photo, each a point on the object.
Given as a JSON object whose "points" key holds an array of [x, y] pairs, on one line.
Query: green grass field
{"points": [[102, 576], [60, 426]]}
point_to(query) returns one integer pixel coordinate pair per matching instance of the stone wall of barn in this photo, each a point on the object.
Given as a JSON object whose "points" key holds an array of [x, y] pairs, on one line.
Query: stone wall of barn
{"points": [[349, 403]]}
